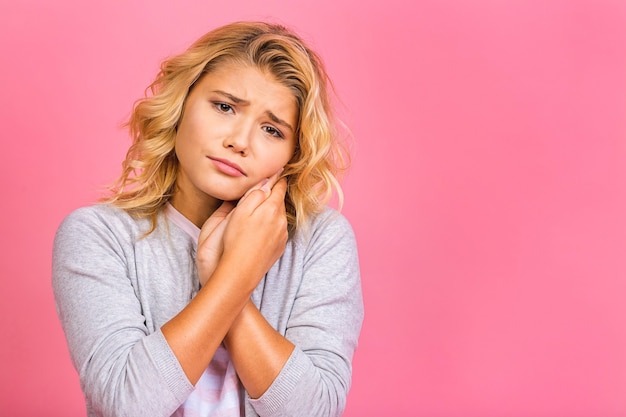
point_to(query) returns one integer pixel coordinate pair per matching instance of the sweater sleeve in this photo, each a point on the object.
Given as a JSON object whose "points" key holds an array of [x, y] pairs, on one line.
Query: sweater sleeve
{"points": [[324, 325], [124, 369]]}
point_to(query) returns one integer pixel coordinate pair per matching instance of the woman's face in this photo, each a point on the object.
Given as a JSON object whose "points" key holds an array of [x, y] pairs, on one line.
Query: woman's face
{"points": [[238, 128]]}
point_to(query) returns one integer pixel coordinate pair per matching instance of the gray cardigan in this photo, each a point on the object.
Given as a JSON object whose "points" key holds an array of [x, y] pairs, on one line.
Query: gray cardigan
{"points": [[114, 289]]}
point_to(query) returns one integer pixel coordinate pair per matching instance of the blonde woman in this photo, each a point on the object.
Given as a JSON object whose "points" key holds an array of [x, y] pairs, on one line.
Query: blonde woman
{"points": [[214, 281]]}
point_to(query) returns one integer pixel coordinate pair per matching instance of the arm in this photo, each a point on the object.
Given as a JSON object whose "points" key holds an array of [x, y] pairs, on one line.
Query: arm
{"points": [[257, 350], [310, 367], [254, 237], [112, 346], [113, 350]]}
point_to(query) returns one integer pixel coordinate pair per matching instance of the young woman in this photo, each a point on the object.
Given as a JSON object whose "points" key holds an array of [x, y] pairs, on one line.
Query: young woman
{"points": [[214, 282]]}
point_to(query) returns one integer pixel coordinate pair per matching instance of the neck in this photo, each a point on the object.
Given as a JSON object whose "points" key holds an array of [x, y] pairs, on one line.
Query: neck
{"points": [[197, 208]]}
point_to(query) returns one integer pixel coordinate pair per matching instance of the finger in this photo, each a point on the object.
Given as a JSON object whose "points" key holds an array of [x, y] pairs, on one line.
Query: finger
{"points": [[254, 188], [258, 197], [265, 185], [214, 239], [279, 190], [225, 208], [215, 219], [271, 182], [210, 251], [277, 193], [254, 198]]}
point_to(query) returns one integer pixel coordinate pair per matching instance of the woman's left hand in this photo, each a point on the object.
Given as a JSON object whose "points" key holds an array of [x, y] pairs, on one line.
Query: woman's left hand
{"points": [[211, 242]]}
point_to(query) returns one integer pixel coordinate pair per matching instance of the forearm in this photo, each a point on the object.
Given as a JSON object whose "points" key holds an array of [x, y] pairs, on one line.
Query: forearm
{"points": [[257, 350], [236, 248], [197, 331]]}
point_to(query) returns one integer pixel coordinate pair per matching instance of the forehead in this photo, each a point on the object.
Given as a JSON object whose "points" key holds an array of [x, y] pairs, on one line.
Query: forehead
{"points": [[257, 87]]}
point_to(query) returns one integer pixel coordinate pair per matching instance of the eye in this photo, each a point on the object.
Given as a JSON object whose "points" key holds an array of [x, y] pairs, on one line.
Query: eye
{"points": [[224, 107], [273, 131]]}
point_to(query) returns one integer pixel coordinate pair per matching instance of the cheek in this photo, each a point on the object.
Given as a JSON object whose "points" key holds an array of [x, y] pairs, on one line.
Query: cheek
{"points": [[181, 140], [275, 160], [181, 145], [285, 155]]}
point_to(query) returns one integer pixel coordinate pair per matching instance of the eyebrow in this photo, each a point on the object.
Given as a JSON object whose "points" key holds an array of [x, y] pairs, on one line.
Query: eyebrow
{"points": [[243, 102], [278, 120], [236, 100]]}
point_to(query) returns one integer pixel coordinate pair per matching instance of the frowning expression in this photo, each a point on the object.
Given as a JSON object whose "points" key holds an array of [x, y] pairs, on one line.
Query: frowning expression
{"points": [[238, 128]]}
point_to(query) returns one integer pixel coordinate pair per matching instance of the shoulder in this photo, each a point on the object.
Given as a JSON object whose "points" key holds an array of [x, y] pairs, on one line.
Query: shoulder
{"points": [[326, 232], [100, 215], [326, 225], [101, 222], [96, 212]]}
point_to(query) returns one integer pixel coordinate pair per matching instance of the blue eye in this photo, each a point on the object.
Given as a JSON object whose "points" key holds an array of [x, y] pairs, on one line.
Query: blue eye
{"points": [[273, 131]]}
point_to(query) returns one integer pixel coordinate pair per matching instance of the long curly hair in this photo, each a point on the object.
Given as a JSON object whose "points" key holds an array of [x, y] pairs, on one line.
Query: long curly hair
{"points": [[149, 171]]}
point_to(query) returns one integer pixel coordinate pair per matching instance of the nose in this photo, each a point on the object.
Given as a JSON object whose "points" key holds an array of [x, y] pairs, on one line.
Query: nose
{"points": [[239, 139]]}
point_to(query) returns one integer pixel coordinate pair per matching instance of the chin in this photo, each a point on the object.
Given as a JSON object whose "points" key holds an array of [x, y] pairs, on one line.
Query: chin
{"points": [[230, 195]]}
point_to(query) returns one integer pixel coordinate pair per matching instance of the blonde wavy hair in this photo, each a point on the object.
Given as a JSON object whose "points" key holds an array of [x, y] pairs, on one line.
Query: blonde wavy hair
{"points": [[149, 171]]}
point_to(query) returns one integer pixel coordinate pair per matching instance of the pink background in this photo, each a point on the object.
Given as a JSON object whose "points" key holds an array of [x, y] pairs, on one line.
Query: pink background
{"points": [[487, 189]]}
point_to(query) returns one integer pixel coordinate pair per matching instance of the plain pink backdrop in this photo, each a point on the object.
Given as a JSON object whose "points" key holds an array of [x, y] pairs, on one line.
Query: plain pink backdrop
{"points": [[487, 190]]}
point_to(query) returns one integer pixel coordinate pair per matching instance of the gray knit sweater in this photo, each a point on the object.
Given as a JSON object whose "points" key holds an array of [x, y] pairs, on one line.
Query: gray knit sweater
{"points": [[114, 289]]}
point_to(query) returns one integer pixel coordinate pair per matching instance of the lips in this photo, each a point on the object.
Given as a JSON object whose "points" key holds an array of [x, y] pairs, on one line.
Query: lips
{"points": [[227, 167]]}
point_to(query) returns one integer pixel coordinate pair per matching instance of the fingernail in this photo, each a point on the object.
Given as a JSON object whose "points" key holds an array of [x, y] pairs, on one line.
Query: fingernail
{"points": [[266, 186]]}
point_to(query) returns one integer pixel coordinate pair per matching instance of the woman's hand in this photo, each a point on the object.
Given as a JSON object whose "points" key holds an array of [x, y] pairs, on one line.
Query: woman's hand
{"points": [[256, 233], [210, 241], [236, 247]]}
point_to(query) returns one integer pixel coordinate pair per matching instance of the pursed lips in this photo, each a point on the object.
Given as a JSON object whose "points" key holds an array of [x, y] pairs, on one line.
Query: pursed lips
{"points": [[229, 164]]}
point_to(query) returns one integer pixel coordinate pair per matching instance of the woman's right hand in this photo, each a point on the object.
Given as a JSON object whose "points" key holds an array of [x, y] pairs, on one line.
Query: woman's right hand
{"points": [[211, 241]]}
